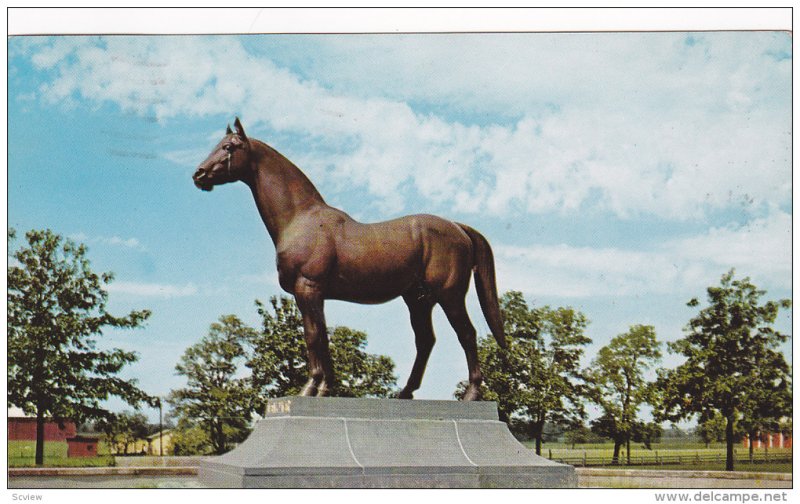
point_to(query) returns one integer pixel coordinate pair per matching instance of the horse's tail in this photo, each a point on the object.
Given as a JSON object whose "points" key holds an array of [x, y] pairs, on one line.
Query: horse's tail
{"points": [[486, 284]]}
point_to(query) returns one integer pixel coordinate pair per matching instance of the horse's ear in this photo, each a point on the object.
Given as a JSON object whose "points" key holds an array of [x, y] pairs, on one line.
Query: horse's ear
{"points": [[239, 129], [229, 130]]}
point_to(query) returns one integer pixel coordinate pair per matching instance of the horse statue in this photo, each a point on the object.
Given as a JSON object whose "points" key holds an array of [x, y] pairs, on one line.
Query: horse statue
{"points": [[322, 253]]}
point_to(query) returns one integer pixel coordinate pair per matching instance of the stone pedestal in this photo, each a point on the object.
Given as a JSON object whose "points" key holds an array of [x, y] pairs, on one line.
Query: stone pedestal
{"points": [[310, 442]]}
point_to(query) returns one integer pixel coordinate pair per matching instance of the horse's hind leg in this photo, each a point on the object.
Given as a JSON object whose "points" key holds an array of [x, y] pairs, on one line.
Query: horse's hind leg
{"points": [[420, 311], [456, 312], [310, 302]]}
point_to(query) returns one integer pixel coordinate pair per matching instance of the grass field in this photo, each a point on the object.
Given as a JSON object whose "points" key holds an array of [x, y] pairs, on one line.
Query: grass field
{"points": [[785, 467], [693, 456], [673, 456], [23, 454]]}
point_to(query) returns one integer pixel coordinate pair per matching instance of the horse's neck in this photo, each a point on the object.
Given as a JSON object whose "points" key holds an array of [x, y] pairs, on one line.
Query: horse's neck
{"points": [[280, 189]]}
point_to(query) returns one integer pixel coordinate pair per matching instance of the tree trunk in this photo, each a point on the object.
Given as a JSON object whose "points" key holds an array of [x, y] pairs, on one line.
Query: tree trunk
{"points": [[220, 438], [750, 437], [39, 437], [729, 442], [537, 432], [615, 457], [628, 450]]}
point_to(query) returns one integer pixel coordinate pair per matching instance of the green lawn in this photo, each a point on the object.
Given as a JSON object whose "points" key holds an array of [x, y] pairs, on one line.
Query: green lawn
{"points": [[23, 454], [676, 456], [739, 466]]}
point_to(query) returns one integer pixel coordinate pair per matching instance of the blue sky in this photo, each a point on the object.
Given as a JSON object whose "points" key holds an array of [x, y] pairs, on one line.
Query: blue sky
{"points": [[618, 173]]}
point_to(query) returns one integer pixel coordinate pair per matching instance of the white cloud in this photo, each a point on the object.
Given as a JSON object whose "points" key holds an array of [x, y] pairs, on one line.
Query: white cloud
{"points": [[268, 277], [760, 250], [157, 290], [668, 125], [566, 271], [131, 243], [186, 157], [518, 73]]}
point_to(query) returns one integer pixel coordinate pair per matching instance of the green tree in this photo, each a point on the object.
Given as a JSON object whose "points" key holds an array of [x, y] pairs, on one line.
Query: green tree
{"points": [[215, 399], [619, 386], [768, 402], [122, 430], [537, 379], [646, 433], [579, 433], [56, 311], [190, 439], [731, 352], [359, 374], [711, 427], [278, 358]]}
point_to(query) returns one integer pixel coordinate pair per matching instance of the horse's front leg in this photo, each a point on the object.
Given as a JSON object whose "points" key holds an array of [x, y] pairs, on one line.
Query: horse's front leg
{"points": [[308, 295]]}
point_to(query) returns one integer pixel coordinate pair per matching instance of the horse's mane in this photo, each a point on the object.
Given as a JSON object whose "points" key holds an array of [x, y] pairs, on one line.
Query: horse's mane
{"points": [[285, 165]]}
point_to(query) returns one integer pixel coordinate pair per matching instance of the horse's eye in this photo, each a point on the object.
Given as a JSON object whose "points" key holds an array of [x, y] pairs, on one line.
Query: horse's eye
{"points": [[226, 147]]}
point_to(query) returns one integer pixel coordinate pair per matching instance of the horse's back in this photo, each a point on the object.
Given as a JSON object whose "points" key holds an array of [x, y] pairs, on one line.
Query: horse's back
{"points": [[415, 236], [380, 261]]}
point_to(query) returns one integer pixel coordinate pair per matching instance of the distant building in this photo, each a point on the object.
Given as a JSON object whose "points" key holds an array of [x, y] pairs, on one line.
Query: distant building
{"points": [[22, 427], [82, 445], [769, 440], [151, 445], [154, 443]]}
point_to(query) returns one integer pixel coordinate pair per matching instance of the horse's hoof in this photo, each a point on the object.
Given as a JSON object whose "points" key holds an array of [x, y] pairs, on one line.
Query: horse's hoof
{"points": [[322, 391], [472, 394], [405, 395], [309, 390]]}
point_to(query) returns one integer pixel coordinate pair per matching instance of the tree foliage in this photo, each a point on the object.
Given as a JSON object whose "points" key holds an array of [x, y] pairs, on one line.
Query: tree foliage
{"points": [[710, 427], [215, 399], [122, 431], [579, 433], [215, 409], [278, 358], [619, 386], [537, 379], [646, 433], [769, 402], [190, 439], [56, 312], [732, 363], [359, 374]]}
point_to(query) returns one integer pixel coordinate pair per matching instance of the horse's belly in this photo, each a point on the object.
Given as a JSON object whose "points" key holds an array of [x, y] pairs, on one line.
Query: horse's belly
{"points": [[375, 265], [370, 286]]}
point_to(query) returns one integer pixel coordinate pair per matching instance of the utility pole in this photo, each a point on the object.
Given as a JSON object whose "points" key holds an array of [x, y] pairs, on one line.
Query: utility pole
{"points": [[160, 430]]}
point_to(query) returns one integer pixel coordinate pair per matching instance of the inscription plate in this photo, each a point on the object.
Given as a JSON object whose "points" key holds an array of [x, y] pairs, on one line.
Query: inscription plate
{"points": [[278, 407]]}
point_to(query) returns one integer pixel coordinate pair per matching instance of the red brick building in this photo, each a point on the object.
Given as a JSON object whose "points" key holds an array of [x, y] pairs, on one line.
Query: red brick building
{"points": [[23, 428], [82, 446], [769, 440]]}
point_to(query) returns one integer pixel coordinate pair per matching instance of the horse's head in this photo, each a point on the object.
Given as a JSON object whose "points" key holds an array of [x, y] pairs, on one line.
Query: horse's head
{"points": [[228, 162]]}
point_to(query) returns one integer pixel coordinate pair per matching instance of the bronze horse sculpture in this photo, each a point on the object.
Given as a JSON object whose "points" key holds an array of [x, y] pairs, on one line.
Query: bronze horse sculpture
{"points": [[322, 253]]}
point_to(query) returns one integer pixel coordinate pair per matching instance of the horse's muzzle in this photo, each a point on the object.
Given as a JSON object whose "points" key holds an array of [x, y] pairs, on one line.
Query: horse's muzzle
{"points": [[201, 181]]}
